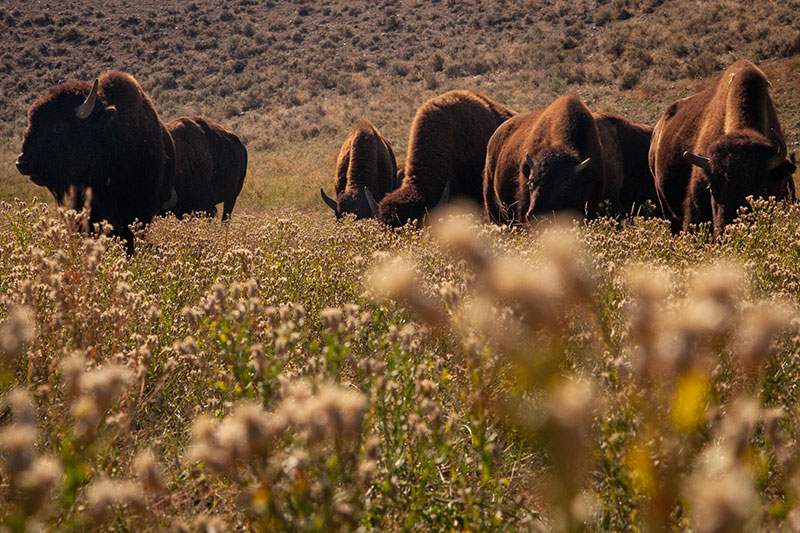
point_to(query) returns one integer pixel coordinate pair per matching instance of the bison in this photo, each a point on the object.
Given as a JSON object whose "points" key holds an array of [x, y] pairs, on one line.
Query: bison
{"points": [[628, 181], [446, 151], [366, 165], [544, 161], [106, 137], [713, 149], [210, 166]]}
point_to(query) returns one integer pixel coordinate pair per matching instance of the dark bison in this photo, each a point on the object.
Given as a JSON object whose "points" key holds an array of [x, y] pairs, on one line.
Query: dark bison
{"points": [[544, 161], [712, 150], [628, 181], [107, 137], [446, 151], [366, 161], [210, 165]]}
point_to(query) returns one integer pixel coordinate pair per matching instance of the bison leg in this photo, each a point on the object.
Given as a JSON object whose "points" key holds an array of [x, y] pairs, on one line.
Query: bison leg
{"points": [[227, 208]]}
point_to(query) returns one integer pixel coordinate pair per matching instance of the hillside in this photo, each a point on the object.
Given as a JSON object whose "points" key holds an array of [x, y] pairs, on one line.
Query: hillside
{"points": [[293, 77]]}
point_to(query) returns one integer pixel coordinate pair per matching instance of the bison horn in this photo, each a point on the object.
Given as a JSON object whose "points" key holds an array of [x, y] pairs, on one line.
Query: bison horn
{"points": [[173, 199], [373, 205], [697, 160], [85, 109], [328, 201], [445, 195], [529, 160], [582, 165]]}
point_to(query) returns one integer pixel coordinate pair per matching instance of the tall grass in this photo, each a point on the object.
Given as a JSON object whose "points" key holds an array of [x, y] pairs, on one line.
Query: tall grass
{"points": [[289, 372]]}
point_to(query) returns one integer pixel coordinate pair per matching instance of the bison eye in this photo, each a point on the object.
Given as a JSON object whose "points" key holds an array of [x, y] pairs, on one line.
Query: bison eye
{"points": [[59, 128]]}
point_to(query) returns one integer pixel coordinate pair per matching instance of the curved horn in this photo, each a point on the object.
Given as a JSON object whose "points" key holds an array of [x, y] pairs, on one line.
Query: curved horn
{"points": [[173, 199], [778, 158], [373, 205], [330, 202], [85, 109], [445, 195], [697, 160], [582, 165]]}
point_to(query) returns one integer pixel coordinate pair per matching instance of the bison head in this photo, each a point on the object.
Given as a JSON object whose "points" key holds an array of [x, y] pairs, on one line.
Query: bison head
{"points": [[741, 165], [406, 204], [555, 180], [359, 203], [67, 140]]}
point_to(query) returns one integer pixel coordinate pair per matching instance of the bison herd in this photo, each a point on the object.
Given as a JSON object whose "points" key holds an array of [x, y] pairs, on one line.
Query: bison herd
{"points": [[104, 144]]}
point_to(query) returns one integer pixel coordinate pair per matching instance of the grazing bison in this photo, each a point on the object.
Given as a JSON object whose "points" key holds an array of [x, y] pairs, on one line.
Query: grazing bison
{"points": [[712, 150], [544, 161], [446, 151], [628, 181], [366, 161], [210, 165], [107, 137]]}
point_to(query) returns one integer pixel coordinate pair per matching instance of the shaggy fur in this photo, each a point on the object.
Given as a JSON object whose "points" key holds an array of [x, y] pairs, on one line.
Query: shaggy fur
{"points": [[210, 166], [734, 123], [365, 160], [447, 144], [628, 181], [122, 151], [557, 139]]}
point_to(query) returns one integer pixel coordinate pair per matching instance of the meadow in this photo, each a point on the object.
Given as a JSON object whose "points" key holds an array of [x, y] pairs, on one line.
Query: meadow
{"points": [[287, 372]]}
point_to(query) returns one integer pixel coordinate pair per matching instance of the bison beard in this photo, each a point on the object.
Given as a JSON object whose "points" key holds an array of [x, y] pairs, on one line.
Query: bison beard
{"points": [[446, 152], [210, 167], [107, 137], [712, 150], [365, 171]]}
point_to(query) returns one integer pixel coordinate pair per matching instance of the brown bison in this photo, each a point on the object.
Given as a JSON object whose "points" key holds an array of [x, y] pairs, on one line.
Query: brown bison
{"points": [[712, 150], [446, 151], [544, 161], [107, 137], [210, 166], [628, 181], [366, 165]]}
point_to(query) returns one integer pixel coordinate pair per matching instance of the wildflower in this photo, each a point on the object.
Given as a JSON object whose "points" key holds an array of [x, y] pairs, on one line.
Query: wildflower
{"points": [[38, 482], [331, 318], [15, 332], [103, 494], [149, 472], [760, 325], [17, 448], [21, 407], [722, 495], [456, 228], [105, 384]]}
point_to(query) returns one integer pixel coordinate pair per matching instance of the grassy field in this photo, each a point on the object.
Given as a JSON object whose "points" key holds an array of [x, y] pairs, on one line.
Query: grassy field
{"points": [[285, 372]]}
